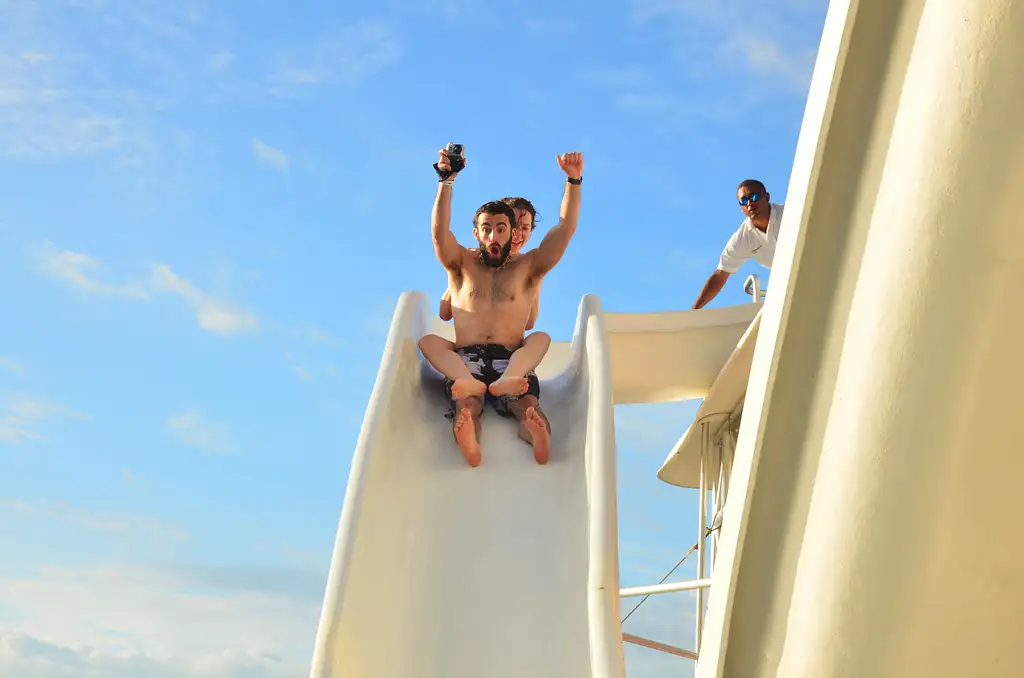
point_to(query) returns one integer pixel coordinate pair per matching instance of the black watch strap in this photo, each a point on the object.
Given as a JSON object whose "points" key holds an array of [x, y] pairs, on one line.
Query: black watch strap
{"points": [[575, 182]]}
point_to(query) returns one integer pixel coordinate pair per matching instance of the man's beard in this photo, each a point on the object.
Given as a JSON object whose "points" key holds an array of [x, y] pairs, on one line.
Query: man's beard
{"points": [[498, 261]]}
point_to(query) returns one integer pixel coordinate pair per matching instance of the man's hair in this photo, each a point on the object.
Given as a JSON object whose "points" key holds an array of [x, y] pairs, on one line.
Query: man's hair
{"points": [[519, 203], [752, 184], [496, 207]]}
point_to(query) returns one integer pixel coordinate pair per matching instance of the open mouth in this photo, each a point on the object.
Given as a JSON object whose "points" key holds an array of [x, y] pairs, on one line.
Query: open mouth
{"points": [[494, 251]]}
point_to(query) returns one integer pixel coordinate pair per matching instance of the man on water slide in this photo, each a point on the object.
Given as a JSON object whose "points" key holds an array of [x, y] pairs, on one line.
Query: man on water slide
{"points": [[527, 357], [492, 297]]}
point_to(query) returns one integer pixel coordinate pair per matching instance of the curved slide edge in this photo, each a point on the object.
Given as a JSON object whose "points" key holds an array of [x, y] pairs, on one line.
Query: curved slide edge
{"points": [[673, 355], [725, 397], [510, 568]]}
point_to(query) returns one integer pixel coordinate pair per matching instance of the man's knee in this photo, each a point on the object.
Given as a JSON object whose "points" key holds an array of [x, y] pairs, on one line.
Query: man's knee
{"points": [[524, 403], [430, 342], [541, 339], [474, 404]]}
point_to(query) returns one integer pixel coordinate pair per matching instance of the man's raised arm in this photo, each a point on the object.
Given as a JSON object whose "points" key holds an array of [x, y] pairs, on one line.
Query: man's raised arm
{"points": [[446, 246], [551, 249]]}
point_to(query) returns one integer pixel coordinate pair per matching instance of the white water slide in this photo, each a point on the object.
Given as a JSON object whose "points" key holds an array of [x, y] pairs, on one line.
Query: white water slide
{"points": [[510, 569]]}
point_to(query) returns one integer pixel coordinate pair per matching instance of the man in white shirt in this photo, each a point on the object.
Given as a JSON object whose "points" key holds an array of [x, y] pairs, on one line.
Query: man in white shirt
{"points": [[755, 239]]}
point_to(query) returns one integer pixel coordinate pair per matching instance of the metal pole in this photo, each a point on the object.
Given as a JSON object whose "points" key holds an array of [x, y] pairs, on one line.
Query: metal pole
{"points": [[752, 286], [719, 498], [703, 526], [713, 491], [655, 645], [669, 587]]}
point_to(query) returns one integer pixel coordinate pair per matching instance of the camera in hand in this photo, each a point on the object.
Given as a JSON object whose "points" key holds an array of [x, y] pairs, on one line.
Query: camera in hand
{"points": [[455, 158]]}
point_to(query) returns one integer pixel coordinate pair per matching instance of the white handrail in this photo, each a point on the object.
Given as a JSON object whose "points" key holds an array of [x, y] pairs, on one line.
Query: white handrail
{"points": [[671, 587], [752, 286]]}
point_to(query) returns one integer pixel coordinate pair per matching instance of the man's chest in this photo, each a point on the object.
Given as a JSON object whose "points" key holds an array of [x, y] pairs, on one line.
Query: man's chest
{"points": [[498, 287], [761, 244]]}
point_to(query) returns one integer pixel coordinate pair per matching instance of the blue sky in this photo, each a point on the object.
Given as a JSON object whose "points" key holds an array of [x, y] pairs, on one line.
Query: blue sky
{"points": [[209, 212]]}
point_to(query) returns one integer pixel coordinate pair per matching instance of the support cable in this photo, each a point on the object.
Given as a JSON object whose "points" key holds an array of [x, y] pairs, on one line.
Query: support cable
{"points": [[717, 524]]}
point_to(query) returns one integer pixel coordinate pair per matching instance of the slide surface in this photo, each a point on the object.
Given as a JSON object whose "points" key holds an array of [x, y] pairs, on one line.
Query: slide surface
{"points": [[506, 570], [509, 569]]}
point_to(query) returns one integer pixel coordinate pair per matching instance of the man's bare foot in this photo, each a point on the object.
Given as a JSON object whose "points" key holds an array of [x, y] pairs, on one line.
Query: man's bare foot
{"points": [[514, 386], [468, 388], [539, 433], [465, 436]]}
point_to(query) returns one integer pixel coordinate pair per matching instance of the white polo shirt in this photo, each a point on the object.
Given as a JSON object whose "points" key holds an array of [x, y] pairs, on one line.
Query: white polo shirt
{"points": [[749, 242]]}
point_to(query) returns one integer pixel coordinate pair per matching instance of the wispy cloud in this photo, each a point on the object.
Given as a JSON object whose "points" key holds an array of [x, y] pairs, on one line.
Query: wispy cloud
{"points": [[212, 314], [776, 48], [638, 92], [11, 365], [35, 57], [120, 523], [62, 622], [103, 79], [21, 418], [221, 61], [789, 65], [314, 334], [45, 112], [344, 57], [292, 582], [300, 370], [649, 10], [82, 271], [269, 155], [546, 28], [192, 428]]}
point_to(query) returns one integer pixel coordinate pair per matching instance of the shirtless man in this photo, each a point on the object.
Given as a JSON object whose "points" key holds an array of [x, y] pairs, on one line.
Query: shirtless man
{"points": [[528, 356], [492, 297]]}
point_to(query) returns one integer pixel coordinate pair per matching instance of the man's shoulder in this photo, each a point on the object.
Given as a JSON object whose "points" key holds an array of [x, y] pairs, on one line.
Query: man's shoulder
{"points": [[469, 258], [462, 261]]}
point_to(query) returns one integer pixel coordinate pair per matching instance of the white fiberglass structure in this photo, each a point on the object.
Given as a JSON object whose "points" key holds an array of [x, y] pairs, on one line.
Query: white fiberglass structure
{"points": [[863, 535], [856, 447], [511, 568]]}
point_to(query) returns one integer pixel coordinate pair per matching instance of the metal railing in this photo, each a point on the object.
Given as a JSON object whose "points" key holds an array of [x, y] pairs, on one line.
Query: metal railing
{"points": [[752, 286], [718, 443]]}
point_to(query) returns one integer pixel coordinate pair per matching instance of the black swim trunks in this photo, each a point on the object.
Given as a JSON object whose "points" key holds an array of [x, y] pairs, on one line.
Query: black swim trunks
{"points": [[487, 362]]}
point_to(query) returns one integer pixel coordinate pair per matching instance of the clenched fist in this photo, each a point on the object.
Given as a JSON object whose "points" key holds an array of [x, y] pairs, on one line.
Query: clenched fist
{"points": [[444, 164], [571, 164]]}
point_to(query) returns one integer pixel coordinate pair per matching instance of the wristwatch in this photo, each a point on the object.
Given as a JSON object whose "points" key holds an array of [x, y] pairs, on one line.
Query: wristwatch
{"points": [[575, 182]]}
